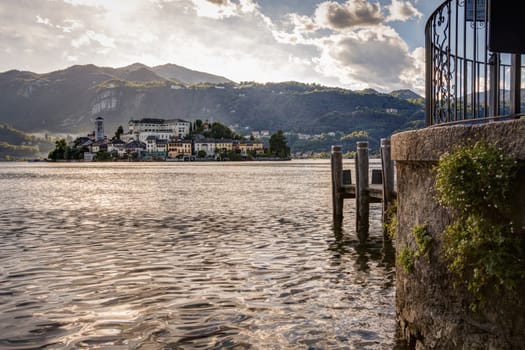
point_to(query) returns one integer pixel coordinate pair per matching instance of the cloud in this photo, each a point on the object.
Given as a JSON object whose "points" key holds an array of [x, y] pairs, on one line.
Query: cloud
{"points": [[359, 58], [248, 6], [37, 32], [295, 29], [69, 58], [240, 47], [333, 43], [414, 75], [402, 11], [68, 24], [302, 24], [220, 9], [355, 46], [90, 37], [333, 15], [215, 9], [41, 20]]}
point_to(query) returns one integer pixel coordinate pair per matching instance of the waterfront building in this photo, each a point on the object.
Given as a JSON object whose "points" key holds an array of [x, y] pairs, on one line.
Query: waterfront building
{"points": [[117, 147], [246, 147], [224, 145], [206, 145], [179, 148], [213, 146], [89, 157], [163, 129], [100, 145], [81, 142], [135, 147], [156, 147]]}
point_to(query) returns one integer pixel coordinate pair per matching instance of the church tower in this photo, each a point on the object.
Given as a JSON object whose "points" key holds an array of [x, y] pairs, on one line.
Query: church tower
{"points": [[99, 129]]}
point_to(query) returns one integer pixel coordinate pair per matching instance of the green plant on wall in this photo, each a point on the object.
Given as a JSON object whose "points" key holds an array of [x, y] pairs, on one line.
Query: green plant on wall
{"points": [[408, 257], [481, 245], [390, 225], [424, 240]]}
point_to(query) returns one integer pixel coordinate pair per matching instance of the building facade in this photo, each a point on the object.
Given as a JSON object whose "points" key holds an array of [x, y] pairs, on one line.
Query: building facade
{"points": [[155, 147], [179, 148], [206, 145], [163, 129], [246, 147]]}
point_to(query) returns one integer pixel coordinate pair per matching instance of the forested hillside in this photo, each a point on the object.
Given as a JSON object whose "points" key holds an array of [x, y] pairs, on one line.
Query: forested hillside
{"points": [[69, 100], [15, 144]]}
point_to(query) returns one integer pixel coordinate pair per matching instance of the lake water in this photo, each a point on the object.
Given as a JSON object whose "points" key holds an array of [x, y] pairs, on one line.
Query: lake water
{"points": [[187, 256]]}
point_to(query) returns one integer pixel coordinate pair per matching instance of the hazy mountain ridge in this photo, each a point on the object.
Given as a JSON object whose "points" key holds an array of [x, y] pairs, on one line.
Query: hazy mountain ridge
{"points": [[18, 144], [405, 94], [187, 76], [67, 101]]}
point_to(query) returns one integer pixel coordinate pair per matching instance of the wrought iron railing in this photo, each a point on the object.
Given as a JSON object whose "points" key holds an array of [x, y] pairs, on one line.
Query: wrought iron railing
{"points": [[465, 81]]}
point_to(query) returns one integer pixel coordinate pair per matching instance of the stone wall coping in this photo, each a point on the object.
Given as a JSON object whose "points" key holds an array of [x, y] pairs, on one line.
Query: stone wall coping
{"points": [[430, 143]]}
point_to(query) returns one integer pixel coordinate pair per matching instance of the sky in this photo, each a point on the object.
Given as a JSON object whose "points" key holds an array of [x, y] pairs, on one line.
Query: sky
{"points": [[353, 44]]}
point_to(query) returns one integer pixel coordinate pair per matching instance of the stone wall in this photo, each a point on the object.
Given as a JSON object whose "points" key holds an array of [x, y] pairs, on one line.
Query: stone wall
{"points": [[433, 313]]}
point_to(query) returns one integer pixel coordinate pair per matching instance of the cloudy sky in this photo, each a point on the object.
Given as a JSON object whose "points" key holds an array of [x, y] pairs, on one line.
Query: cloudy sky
{"points": [[353, 44]]}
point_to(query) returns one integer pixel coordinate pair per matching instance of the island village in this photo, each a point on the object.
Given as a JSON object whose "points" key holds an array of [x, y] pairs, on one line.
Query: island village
{"points": [[156, 139]]}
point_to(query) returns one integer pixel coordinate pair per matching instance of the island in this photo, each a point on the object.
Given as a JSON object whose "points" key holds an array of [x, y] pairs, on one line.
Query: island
{"points": [[157, 139]]}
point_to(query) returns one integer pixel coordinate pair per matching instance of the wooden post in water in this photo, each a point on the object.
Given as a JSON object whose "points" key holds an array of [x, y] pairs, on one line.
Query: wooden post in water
{"points": [[388, 182], [388, 175], [362, 199], [337, 180]]}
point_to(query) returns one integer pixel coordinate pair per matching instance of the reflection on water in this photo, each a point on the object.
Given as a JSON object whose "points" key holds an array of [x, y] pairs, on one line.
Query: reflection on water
{"points": [[187, 256]]}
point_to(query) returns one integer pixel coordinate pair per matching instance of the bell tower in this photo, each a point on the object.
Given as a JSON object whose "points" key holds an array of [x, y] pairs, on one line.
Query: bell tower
{"points": [[99, 129]]}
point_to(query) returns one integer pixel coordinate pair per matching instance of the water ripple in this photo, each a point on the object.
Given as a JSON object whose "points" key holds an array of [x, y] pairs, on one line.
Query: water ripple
{"points": [[187, 256]]}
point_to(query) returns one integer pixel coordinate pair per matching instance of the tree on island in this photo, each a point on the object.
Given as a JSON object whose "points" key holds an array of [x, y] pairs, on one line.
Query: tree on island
{"points": [[60, 150], [103, 156], [278, 145], [220, 131], [118, 133], [213, 130], [197, 125], [63, 151]]}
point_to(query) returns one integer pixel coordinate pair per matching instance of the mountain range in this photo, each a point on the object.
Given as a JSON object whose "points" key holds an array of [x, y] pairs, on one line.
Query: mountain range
{"points": [[67, 102]]}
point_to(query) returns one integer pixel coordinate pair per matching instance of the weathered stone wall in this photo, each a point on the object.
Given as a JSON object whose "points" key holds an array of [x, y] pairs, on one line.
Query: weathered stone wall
{"points": [[433, 313]]}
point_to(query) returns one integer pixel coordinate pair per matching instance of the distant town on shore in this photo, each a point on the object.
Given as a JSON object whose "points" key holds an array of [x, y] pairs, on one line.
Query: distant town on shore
{"points": [[156, 139]]}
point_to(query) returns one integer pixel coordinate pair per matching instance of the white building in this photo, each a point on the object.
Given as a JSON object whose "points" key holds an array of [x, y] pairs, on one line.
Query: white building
{"points": [[100, 145], [89, 156], [156, 146], [117, 146], [163, 129], [206, 145], [259, 134], [135, 147]]}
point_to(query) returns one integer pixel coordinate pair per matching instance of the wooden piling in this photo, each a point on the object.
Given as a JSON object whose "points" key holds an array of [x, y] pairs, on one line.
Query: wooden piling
{"points": [[388, 176], [362, 195], [337, 180], [381, 190]]}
